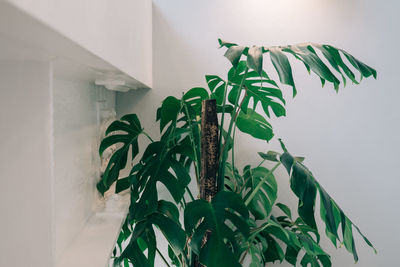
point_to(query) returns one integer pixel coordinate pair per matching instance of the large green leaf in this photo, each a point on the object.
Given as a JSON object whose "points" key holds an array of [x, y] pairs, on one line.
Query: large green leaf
{"points": [[159, 165], [297, 236], [134, 254], [254, 124], [165, 162], [305, 186], [234, 54], [194, 97], [282, 66], [256, 253], [128, 129], [169, 111], [261, 204], [274, 252], [270, 155], [259, 88], [172, 231], [365, 70], [285, 209], [217, 87], [274, 228], [201, 216], [307, 54], [233, 180], [174, 259], [255, 58], [314, 254], [333, 56], [143, 237], [301, 183], [291, 255]]}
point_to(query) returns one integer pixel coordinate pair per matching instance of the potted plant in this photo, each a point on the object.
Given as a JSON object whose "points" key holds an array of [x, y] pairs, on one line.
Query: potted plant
{"points": [[228, 219]]}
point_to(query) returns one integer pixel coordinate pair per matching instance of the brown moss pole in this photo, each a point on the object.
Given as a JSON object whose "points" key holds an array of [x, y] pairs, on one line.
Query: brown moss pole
{"points": [[209, 155], [209, 149]]}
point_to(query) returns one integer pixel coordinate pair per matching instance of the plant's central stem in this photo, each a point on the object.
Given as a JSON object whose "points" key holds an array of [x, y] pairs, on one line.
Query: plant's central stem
{"points": [[209, 156], [209, 150]]}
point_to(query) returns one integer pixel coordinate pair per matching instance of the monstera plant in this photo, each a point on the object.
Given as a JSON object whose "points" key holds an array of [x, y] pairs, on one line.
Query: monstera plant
{"points": [[238, 219]]}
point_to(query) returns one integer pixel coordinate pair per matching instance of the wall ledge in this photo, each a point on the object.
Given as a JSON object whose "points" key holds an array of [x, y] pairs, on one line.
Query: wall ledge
{"points": [[93, 246]]}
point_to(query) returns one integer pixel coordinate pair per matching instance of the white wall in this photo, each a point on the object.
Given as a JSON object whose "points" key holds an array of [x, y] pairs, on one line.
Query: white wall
{"points": [[76, 164], [49, 161], [25, 160], [51, 53], [350, 139], [117, 31]]}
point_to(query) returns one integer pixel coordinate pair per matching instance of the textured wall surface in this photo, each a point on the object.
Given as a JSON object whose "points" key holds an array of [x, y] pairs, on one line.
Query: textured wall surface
{"points": [[25, 160], [76, 166], [350, 139]]}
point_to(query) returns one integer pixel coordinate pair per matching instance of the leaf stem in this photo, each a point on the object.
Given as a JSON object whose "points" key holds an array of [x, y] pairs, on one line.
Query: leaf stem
{"points": [[233, 153], [255, 231], [223, 154], [233, 135], [191, 136], [233, 119], [223, 113], [190, 193], [163, 258], [148, 136], [244, 184], [244, 255], [261, 163], [258, 187]]}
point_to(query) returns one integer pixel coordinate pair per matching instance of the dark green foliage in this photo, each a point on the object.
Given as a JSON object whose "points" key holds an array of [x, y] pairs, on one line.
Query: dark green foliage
{"points": [[202, 216], [305, 186], [129, 129], [243, 221], [307, 54], [254, 124]]}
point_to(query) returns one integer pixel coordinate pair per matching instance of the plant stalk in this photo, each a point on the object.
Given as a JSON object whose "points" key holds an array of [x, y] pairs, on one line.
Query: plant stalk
{"points": [[223, 154], [148, 136], [197, 171], [223, 115], [190, 193], [162, 257]]}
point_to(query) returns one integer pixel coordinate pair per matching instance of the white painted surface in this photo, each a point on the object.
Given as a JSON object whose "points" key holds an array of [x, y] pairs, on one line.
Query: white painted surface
{"points": [[86, 224], [350, 139], [49, 168], [25, 160], [95, 242], [81, 48], [23, 37], [118, 32], [75, 155]]}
